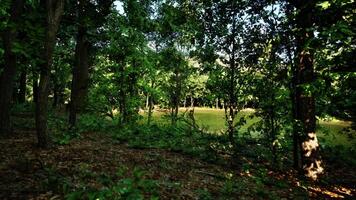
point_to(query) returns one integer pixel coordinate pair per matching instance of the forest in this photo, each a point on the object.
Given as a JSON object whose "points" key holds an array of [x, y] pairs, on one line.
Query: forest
{"points": [[177, 99]]}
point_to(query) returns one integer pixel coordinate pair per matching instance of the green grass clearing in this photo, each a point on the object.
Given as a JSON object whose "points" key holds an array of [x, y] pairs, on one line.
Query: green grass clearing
{"points": [[330, 132]]}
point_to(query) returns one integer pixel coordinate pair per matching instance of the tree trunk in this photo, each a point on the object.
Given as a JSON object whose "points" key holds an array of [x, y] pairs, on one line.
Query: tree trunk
{"points": [[232, 100], [54, 10], [55, 95], [176, 97], [293, 95], [22, 87], [296, 130], [147, 100], [305, 101], [122, 93], [35, 87], [191, 102], [9, 71], [133, 105], [150, 106], [80, 75]]}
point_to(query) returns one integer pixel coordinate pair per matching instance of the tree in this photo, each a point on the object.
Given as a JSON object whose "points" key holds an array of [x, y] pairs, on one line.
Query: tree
{"points": [[90, 16], [176, 70], [54, 11], [125, 56], [305, 100], [8, 74], [334, 60], [271, 81], [230, 37], [174, 32]]}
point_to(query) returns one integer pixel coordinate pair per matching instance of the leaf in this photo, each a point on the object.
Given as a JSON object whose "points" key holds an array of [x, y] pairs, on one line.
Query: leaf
{"points": [[324, 5]]}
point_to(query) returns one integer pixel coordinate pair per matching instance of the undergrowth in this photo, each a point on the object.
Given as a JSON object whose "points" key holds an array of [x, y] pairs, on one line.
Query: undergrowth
{"points": [[124, 184]]}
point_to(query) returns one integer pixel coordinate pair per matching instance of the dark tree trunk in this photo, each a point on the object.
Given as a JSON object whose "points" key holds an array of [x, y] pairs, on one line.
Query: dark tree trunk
{"points": [[232, 96], [35, 87], [54, 10], [80, 75], [305, 101], [176, 93], [122, 92], [6, 85], [22, 87], [58, 96], [81, 68], [296, 126], [14, 98], [55, 95], [292, 88], [150, 106], [133, 106], [9, 71], [55, 88]]}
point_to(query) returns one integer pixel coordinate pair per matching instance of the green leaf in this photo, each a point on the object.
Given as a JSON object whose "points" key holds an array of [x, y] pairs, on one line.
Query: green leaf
{"points": [[324, 5]]}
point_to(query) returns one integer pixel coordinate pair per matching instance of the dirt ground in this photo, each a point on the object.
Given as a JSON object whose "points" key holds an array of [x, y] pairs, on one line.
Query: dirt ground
{"points": [[23, 171]]}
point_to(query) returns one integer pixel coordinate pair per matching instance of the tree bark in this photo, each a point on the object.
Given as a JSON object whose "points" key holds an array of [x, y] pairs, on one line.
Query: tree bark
{"points": [[296, 130], [55, 95], [133, 105], [35, 87], [305, 100], [9, 71], [80, 75], [232, 100], [147, 100], [296, 126], [54, 10], [150, 105], [22, 87], [176, 95]]}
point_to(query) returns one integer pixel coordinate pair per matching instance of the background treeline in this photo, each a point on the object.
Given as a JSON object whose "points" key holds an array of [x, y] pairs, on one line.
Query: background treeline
{"points": [[292, 61]]}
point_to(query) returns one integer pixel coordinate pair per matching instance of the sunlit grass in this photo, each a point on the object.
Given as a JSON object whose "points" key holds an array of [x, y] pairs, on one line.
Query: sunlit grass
{"points": [[333, 133], [213, 120]]}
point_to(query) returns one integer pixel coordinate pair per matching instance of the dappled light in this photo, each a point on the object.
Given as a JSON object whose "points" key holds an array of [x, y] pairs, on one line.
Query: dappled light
{"points": [[313, 168]]}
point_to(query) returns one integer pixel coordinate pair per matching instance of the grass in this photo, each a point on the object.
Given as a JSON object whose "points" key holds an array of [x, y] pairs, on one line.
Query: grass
{"points": [[330, 132], [210, 119], [333, 133]]}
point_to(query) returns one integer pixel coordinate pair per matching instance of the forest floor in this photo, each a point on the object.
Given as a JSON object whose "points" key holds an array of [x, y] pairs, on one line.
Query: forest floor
{"points": [[30, 173], [96, 164]]}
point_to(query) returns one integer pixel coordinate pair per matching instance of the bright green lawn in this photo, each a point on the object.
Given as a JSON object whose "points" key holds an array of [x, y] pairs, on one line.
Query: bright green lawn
{"points": [[213, 120]]}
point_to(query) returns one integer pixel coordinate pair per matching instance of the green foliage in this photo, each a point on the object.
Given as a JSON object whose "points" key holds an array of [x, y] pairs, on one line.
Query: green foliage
{"points": [[55, 181], [93, 123], [23, 108], [86, 123], [135, 187], [180, 138], [125, 184], [59, 129], [204, 194]]}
